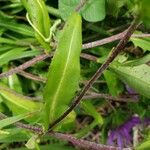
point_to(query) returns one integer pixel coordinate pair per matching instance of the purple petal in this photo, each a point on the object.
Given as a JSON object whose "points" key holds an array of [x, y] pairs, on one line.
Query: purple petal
{"points": [[119, 140]]}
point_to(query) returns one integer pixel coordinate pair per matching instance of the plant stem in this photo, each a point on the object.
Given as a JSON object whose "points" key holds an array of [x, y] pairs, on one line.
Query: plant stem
{"points": [[109, 97], [53, 11], [25, 65], [83, 55], [32, 76], [77, 142], [80, 5], [35, 60], [99, 72]]}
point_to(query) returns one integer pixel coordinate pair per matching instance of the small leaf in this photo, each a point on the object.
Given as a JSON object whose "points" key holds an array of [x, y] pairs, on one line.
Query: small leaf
{"points": [[91, 110], [93, 10], [37, 15], [137, 77], [15, 27], [138, 61], [11, 120], [64, 71], [145, 145], [143, 43], [114, 86], [114, 6], [17, 102], [144, 11], [31, 144]]}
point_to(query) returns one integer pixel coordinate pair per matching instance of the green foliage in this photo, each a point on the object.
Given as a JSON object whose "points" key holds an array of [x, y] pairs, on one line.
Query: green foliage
{"points": [[17, 103], [9, 23], [90, 110], [143, 43], [14, 119], [38, 17], [136, 77], [145, 145], [144, 11], [114, 86], [64, 71], [93, 11], [114, 6], [40, 94]]}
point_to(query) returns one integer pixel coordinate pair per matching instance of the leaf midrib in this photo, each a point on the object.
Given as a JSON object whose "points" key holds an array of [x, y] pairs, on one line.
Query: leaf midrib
{"points": [[53, 105]]}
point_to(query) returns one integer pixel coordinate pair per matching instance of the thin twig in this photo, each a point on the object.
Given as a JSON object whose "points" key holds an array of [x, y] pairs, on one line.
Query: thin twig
{"points": [[67, 137], [80, 5], [109, 97], [111, 39], [83, 55], [32, 76], [88, 57], [24, 66], [99, 72], [36, 60]]}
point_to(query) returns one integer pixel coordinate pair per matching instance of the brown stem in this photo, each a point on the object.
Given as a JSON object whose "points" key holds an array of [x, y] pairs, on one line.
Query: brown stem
{"points": [[83, 55], [35, 60], [88, 57], [67, 137], [80, 5], [111, 39], [32, 76], [99, 72], [25, 65], [109, 97]]}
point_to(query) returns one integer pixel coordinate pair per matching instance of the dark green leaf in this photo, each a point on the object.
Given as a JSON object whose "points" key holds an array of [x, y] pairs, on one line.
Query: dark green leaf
{"points": [[137, 77]]}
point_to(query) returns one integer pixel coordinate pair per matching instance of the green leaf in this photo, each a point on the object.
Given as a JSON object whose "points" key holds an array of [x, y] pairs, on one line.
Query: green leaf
{"points": [[114, 86], [143, 43], [144, 11], [64, 71], [114, 6], [145, 145], [15, 135], [11, 120], [17, 53], [50, 146], [137, 77], [32, 142], [37, 15], [18, 103], [139, 61], [67, 7], [93, 11], [91, 110], [15, 27]]}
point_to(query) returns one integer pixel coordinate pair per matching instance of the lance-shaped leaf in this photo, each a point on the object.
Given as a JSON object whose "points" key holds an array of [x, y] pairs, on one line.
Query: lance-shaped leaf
{"points": [[37, 15], [10, 120], [137, 77], [18, 103], [64, 71]]}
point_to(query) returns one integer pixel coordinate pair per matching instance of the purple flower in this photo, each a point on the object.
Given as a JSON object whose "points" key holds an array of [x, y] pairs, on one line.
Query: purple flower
{"points": [[122, 135]]}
